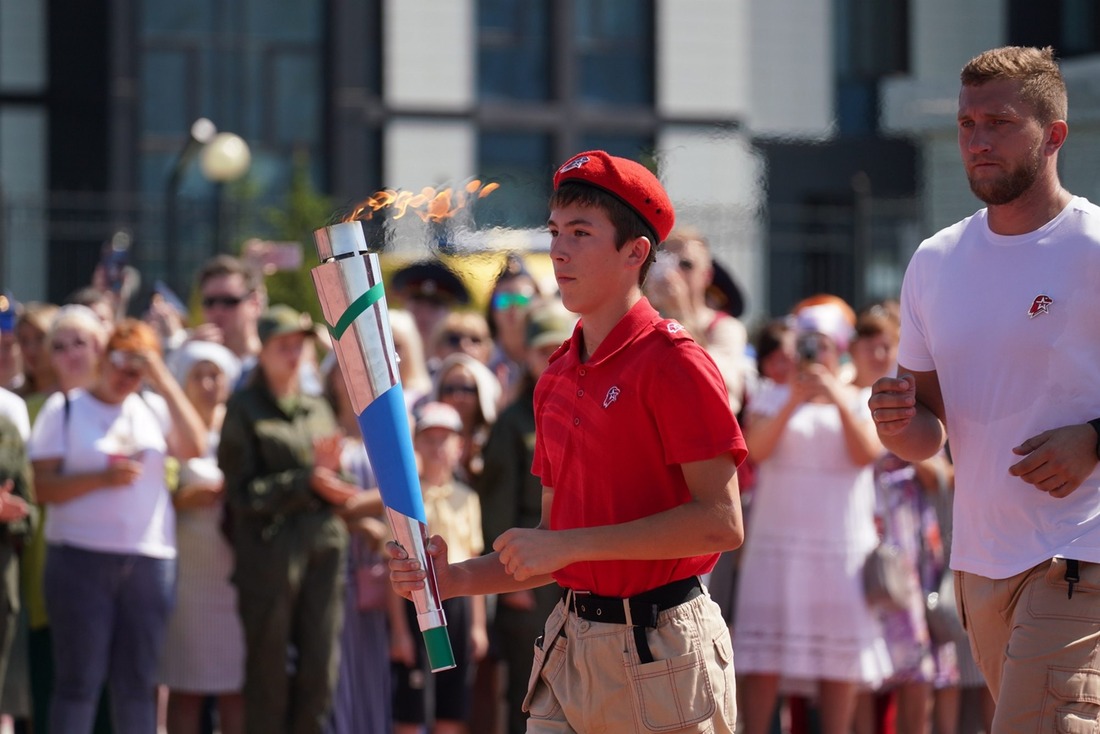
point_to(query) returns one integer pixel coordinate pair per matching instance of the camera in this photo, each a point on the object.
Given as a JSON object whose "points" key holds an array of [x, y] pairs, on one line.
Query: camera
{"points": [[809, 347]]}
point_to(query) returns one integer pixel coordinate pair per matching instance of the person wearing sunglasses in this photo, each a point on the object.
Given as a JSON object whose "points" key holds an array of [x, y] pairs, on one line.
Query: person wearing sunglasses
{"points": [[468, 386], [515, 293], [463, 332], [232, 297], [99, 458]]}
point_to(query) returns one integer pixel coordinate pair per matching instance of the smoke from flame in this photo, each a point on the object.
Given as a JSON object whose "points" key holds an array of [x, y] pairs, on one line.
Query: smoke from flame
{"points": [[430, 205]]}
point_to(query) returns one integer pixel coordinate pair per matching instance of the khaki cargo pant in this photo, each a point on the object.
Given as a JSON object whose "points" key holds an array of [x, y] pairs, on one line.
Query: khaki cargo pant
{"points": [[586, 676], [1038, 648]]}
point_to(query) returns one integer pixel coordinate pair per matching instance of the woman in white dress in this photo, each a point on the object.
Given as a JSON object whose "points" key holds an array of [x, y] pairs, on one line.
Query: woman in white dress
{"points": [[801, 612], [204, 650]]}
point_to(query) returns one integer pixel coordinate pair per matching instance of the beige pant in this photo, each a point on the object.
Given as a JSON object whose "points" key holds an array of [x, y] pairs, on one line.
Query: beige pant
{"points": [[587, 678], [1038, 649]]}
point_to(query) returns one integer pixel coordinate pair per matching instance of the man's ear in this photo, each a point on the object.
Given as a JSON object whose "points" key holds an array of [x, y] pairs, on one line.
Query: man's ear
{"points": [[637, 251], [1059, 131]]}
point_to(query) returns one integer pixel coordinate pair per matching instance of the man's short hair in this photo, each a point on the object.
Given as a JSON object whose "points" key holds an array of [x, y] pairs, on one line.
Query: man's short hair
{"points": [[1043, 86], [222, 265], [628, 224]]}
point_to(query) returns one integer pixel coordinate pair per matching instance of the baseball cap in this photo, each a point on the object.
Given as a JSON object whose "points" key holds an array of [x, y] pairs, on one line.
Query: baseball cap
{"points": [[548, 324], [438, 415], [430, 280], [629, 181], [184, 357], [282, 319]]}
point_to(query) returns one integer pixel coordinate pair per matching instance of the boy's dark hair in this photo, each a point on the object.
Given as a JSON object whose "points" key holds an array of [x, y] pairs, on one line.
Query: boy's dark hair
{"points": [[221, 265], [628, 224]]}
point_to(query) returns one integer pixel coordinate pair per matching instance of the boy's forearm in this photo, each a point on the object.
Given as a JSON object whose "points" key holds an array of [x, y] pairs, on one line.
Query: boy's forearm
{"points": [[486, 575], [691, 529]]}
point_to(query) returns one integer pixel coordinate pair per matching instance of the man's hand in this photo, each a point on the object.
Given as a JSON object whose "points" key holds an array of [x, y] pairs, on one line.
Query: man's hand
{"points": [[407, 575], [529, 552], [1057, 461], [893, 404]]}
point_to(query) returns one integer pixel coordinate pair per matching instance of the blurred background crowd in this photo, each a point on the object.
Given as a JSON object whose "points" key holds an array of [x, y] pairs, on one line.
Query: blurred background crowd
{"points": [[193, 534]]}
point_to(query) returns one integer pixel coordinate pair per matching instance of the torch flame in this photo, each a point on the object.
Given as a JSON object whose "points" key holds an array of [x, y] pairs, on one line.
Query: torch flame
{"points": [[430, 205]]}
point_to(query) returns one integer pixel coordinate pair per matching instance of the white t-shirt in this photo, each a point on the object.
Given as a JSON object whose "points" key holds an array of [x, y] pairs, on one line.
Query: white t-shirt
{"points": [[1011, 325], [136, 519]]}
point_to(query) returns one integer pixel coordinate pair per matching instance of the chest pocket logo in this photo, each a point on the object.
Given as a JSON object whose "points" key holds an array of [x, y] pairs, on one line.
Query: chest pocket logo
{"points": [[612, 396]]}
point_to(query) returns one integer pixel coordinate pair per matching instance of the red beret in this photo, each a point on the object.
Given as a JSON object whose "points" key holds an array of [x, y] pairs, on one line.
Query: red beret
{"points": [[630, 182]]}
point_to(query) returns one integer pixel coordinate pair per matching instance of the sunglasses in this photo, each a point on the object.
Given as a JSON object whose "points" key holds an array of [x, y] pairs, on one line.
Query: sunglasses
{"points": [[129, 362], [226, 301], [448, 390], [455, 339], [502, 301]]}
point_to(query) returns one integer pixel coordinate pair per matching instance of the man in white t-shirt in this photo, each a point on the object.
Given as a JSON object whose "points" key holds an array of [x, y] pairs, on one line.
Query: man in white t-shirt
{"points": [[1000, 352]]}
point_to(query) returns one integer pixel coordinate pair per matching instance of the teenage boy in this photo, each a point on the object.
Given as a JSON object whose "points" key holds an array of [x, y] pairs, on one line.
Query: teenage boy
{"points": [[637, 451]]}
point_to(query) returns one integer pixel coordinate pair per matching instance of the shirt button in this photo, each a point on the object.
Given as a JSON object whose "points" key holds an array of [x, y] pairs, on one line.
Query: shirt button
{"points": [[580, 393], [576, 421], [583, 373]]}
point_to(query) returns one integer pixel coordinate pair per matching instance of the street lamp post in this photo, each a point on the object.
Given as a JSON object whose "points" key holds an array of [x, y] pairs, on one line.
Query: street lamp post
{"points": [[223, 157]]}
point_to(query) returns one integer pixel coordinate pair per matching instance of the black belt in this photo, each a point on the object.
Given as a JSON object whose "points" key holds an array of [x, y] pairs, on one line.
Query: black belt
{"points": [[643, 608]]}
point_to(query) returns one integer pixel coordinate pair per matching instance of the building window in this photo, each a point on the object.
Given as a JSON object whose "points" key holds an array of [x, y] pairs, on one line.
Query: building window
{"points": [[1072, 27], [514, 50], [872, 41], [521, 163], [635, 147], [615, 43]]}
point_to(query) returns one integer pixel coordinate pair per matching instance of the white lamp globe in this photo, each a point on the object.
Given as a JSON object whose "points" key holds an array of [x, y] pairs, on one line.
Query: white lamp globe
{"points": [[225, 158]]}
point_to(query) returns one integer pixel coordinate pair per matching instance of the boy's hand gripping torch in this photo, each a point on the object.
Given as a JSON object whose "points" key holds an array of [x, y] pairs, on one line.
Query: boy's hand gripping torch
{"points": [[349, 286]]}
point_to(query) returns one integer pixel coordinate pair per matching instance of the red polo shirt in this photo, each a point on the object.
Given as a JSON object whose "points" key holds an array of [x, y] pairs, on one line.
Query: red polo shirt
{"points": [[611, 433]]}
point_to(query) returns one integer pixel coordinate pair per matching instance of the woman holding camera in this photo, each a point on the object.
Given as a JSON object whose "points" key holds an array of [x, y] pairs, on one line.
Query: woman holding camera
{"points": [[800, 608]]}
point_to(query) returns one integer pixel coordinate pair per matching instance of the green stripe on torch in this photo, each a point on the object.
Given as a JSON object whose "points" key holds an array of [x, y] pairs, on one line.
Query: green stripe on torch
{"points": [[357, 307]]}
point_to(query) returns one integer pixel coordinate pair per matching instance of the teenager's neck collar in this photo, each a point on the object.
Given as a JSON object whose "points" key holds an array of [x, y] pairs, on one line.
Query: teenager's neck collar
{"points": [[596, 326]]}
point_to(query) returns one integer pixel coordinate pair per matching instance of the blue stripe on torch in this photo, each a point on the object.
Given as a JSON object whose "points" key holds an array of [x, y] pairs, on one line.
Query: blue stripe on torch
{"points": [[385, 427]]}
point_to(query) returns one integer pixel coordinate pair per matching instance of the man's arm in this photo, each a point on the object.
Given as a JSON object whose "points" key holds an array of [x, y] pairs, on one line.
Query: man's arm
{"points": [[909, 414], [709, 523]]}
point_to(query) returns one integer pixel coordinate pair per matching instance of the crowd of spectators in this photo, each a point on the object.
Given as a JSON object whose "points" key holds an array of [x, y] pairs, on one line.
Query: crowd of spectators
{"points": [[191, 537]]}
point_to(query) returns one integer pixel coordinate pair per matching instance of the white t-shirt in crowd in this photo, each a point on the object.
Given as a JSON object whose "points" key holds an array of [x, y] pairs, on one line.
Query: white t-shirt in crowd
{"points": [[1011, 325], [137, 519]]}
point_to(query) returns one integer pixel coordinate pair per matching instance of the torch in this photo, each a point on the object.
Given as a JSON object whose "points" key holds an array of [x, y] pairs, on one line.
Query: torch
{"points": [[349, 286]]}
